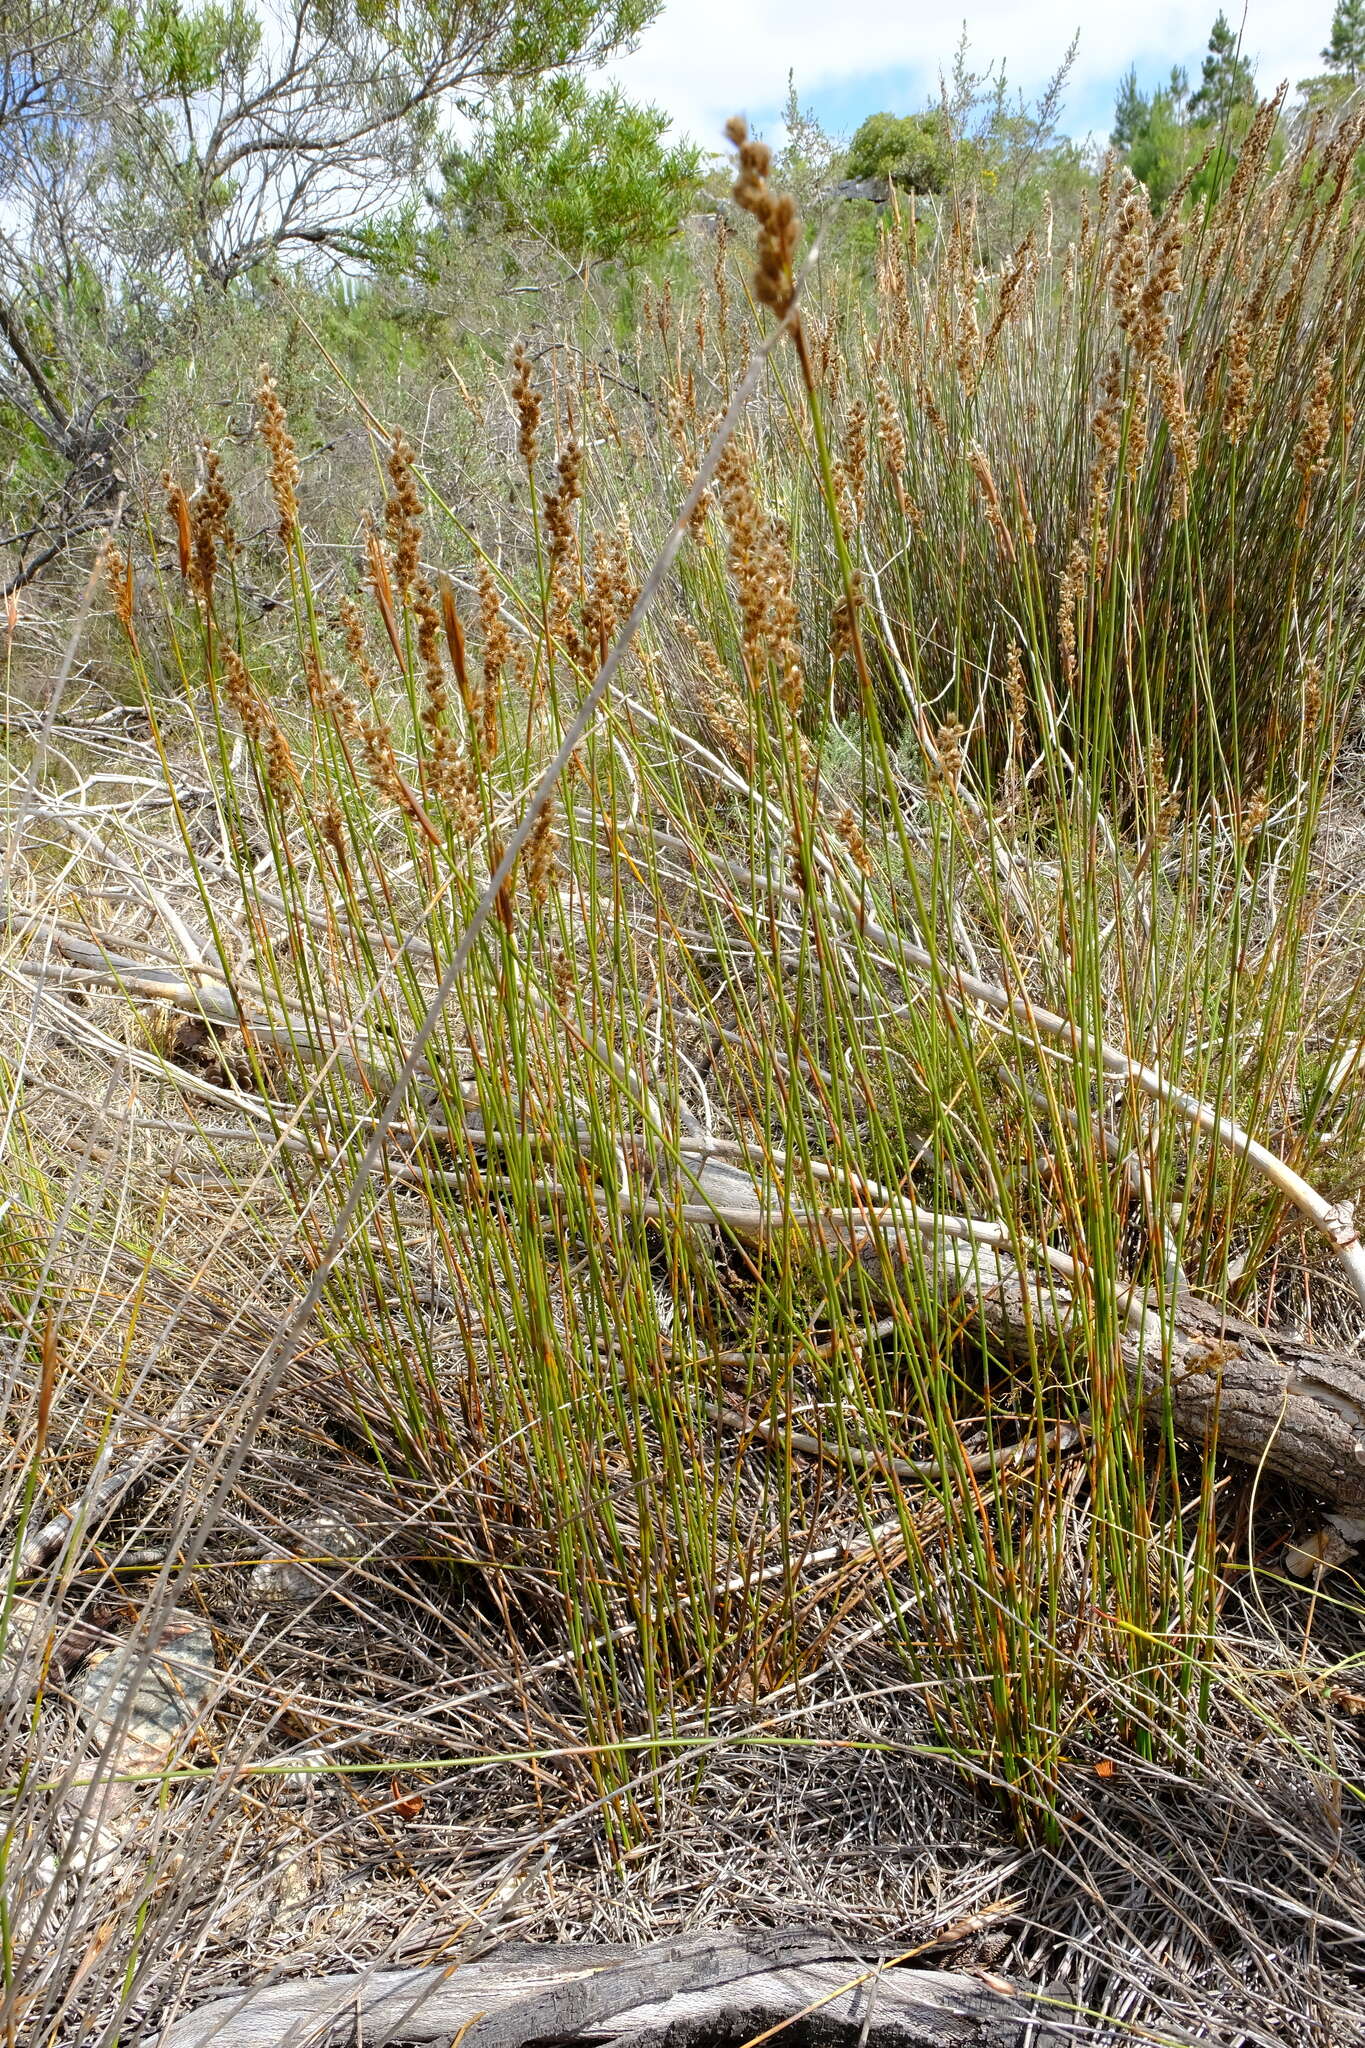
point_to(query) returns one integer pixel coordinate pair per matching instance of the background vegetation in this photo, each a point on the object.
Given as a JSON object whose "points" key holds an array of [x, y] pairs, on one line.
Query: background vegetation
{"points": [[669, 896]]}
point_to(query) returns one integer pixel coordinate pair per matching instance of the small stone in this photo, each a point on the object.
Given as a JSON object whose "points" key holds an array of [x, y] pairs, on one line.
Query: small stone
{"points": [[311, 1766], [23, 1641], [154, 1701], [325, 1539]]}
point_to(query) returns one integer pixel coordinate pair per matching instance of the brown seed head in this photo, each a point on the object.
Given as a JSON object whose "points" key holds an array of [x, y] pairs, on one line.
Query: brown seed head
{"points": [[774, 274], [562, 528], [721, 708], [981, 470], [847, 827], [1312, 695], [1254, 813], [540, 858], [844, 620], [327, 695], [744, 525], [1179, 422], [497, 651], [600, 616], [1147, 323], [273, 427], [721, 283], [560, 523], [403, 518], [1237, 379], [453, 782], [118, 571], [429, 637], [1136, 449], [1016, 289], [526, 399], [960, 285], [1107, 429], [260, 725], [1015, 695], [855, 455], [561, 981], [210, 511], [893, 294], [281, 776], [1125, 253], [243, 695], [353, 629], [949, 748], [1310, 455], [331, 828], [489, 701], [761, 566], [890, 434], [624, 588], [1068, 600]]}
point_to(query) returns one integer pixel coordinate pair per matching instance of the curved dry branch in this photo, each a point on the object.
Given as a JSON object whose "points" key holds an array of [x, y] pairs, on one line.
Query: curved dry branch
{"points": [[1271, 1400], [956, 985]]}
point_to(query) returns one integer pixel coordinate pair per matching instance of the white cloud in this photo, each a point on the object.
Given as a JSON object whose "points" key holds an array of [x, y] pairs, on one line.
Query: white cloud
{"points": [[705, 59]]}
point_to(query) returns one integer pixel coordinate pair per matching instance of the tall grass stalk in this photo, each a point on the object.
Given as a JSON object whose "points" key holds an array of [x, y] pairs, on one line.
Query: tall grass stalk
{"points": [[1051, 746], [616, 937]]}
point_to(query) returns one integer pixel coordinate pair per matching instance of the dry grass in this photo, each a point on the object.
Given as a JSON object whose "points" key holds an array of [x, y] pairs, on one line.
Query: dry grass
{"points": [[946, 681]]}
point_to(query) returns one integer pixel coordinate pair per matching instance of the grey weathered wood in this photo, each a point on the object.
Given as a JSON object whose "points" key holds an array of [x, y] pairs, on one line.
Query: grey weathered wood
{"points": [[662, 1997], [900, 2008], [210, 1000], [168, 1440], [1276, 1402]]}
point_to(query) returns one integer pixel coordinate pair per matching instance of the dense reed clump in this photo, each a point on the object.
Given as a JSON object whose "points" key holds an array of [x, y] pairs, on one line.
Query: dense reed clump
{"points": [[938, 896], [1154, 411]]}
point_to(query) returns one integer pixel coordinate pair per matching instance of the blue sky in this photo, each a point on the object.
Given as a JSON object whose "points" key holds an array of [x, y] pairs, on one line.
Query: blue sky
{"points": [[705, 59]]}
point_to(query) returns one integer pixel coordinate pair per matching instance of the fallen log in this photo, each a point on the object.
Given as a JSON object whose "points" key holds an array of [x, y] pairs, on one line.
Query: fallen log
{"points": [[1272, 1400], [701, 1989]]}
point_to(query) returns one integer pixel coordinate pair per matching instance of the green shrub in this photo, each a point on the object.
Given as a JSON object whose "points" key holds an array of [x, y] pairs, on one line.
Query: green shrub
{"points": [[912, 150]]}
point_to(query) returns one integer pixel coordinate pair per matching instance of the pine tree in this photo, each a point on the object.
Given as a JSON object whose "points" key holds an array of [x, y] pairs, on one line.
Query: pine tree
{"points": [[1227, 82], [1131, 110], [1154, 135], [1346, 50]]}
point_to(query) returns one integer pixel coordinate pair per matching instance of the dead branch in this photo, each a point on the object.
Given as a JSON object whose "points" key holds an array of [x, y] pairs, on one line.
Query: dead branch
{"points": [[702, 1988], [108, 1488], [1271, 1400]]}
